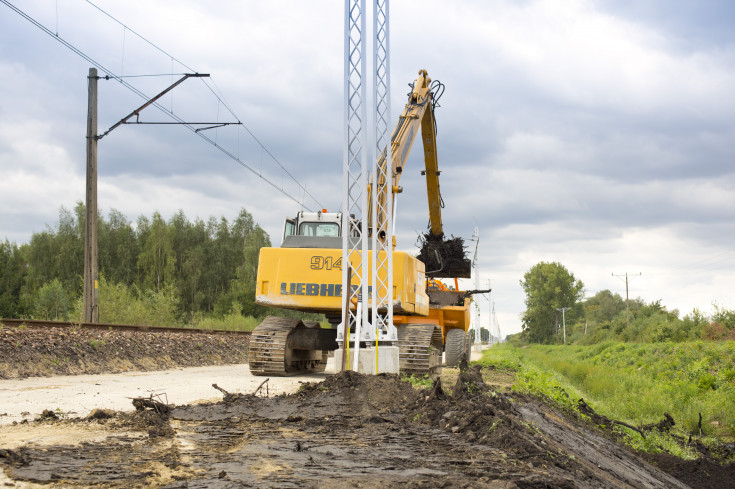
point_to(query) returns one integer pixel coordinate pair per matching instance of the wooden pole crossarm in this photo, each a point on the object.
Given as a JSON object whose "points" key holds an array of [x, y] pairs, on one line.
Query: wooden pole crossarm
{"points": [[136, 112]]}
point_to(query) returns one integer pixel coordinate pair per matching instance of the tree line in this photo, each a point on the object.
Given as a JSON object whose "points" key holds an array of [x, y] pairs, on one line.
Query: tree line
{"points": [[180, 270], [549, 287]]}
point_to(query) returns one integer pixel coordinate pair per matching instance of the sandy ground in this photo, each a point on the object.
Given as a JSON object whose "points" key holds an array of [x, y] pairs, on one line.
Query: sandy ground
{"points": [[77, 395], [349, 430]]}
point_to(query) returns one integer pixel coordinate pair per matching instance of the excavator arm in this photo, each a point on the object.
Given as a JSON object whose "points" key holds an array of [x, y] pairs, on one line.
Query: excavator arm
{"points": [[418, 114], [442, 258]]}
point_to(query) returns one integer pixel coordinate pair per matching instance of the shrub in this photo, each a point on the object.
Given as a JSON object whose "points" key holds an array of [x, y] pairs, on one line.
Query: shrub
{"points": [[51, 302]]}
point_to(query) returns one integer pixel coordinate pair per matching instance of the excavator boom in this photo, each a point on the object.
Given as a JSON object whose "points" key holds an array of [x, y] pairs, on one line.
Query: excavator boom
{"points": [[443, 258]]}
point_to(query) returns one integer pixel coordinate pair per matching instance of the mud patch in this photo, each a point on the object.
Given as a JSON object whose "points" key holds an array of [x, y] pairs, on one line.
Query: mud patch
{"points": [[696, 473], [348, 431]]}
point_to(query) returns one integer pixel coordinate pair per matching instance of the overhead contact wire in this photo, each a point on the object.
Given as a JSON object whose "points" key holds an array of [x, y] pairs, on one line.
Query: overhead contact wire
{"points": [[133, 89], [220, 98]]}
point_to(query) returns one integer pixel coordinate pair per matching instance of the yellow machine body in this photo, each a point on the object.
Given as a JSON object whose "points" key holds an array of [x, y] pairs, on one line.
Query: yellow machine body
{"points": [[446, 317], [310, 280]]}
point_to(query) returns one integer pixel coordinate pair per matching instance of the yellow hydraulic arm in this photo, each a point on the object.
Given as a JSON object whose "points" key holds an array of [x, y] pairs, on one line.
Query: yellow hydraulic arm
{"points": [[419, 110]]}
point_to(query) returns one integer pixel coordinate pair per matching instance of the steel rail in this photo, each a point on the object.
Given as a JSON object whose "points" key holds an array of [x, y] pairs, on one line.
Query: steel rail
{"points": [[39, 324]]}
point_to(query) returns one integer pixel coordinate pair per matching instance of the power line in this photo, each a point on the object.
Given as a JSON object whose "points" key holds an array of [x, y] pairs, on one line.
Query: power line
{"points": [[219, 98], [171, 114], [702, 262]]}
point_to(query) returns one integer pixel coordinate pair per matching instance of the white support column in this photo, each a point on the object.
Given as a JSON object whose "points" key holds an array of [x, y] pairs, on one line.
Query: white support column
{"points": [[476, 272], [354, 180], [382, 197]]}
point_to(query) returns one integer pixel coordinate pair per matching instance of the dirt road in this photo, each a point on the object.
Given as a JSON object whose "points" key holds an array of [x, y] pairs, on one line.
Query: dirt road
{"points": [[77, 395]]}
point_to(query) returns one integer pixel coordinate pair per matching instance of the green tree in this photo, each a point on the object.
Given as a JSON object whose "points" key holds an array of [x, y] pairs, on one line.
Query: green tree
{"points": [[123, 304], [58, 253], [157, 260], [245, 284], [604, 306], [52, 302], [118, 248], [549, 286], [12, 276]]}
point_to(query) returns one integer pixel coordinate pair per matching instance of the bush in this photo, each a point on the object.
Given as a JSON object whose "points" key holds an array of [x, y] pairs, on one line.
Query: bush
{"points": [[715, 332], [122, 304], [51, 302], [234, 321]]}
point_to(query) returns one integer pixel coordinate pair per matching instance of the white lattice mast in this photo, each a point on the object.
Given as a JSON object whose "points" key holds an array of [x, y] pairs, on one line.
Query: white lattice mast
{"points": [[496, 326], [382, 236], [476, 273], [354, 179]]}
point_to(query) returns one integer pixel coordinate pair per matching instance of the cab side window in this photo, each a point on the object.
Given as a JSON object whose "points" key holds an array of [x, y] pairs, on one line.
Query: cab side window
{"points": [[290, 228]]}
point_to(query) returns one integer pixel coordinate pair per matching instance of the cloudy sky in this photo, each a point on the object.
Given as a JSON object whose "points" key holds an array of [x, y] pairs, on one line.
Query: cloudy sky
{"points": [[600, 134]]}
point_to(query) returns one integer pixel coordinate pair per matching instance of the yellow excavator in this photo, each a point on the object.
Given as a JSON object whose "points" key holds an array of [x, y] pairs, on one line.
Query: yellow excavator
{"points": [[305, 274]]}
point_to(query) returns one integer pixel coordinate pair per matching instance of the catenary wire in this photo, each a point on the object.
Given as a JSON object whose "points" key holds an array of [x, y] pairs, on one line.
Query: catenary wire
{"points": [[135, 90], [219, 96]]}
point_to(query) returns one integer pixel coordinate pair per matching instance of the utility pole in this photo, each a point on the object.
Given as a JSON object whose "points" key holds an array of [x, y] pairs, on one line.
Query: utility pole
{"points": [[564, 321], [490, 315], [476, 271], [627, 304], [91, 311], [496, 324]]}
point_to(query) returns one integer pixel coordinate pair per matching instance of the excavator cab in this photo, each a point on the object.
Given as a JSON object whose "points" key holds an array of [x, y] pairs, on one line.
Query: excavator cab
{"points": [[313, 230]]}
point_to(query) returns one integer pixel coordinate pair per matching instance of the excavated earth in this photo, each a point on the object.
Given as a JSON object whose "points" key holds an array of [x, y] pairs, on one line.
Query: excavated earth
{"points": [[37, 352], [350, 430]]}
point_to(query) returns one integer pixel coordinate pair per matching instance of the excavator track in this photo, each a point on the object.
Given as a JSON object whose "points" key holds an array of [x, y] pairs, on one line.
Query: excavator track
{"points": [[420, 349], [272, 353]]}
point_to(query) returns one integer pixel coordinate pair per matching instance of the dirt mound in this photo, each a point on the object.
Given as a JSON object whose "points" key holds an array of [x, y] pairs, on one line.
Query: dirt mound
{"points": [[34, 352], [351, 430]]}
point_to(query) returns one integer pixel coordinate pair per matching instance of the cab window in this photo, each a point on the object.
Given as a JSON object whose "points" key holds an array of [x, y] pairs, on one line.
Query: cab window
{"points": [[319, 229], [290, 228]]}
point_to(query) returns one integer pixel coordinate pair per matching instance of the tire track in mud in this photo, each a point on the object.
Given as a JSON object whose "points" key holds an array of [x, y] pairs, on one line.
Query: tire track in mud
{"points": [[610, 461]]}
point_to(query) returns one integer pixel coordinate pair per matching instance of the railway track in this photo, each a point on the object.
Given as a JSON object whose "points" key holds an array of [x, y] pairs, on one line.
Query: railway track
{"points": [[42, 324]]}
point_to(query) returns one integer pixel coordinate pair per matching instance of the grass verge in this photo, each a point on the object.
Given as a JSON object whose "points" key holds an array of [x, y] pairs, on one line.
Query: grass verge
{"points": [[635, 383]]}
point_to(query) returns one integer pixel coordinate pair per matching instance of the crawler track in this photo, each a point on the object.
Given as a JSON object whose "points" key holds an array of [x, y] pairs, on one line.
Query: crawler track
{"points": [[420, 348], [42, 324], [272, 353]]}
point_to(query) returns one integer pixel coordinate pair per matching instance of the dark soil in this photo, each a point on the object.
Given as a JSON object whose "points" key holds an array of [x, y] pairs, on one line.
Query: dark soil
{"points": [[351, 430], [444, 258], [35, 352], [704, 472]]}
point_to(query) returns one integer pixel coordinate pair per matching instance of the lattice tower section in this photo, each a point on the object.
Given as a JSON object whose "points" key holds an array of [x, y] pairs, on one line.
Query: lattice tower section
{"points": [[354, 174], [382, 196]]}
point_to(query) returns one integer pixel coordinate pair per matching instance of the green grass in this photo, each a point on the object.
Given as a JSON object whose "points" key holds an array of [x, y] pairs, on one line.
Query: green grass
{"points": [[231, 322], [418, 381], [635, 383]]}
